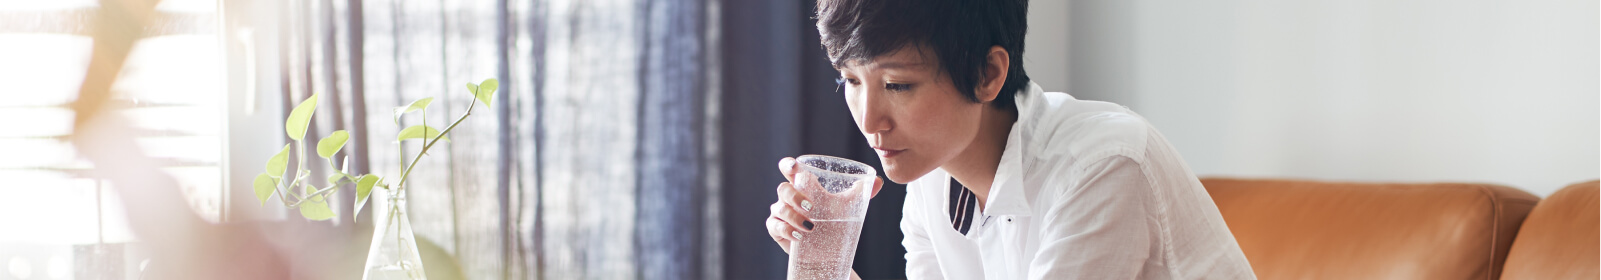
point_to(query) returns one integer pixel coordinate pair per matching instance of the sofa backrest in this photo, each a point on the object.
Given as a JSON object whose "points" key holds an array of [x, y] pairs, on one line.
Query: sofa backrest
{"points": [[1292, 229], [1560, 238]]}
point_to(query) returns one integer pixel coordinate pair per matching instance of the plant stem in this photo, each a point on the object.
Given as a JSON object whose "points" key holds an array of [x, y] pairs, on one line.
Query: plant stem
{"points": [[342, 173], [279, 187], [315, 194], [281, 196], [300, 166], [394, 222], [333, 188], [291, 186], [407, 173], [300, 160]]}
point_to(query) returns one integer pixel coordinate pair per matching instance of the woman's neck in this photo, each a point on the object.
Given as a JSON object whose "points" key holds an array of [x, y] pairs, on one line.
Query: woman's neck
{"points": [[975, 165]]}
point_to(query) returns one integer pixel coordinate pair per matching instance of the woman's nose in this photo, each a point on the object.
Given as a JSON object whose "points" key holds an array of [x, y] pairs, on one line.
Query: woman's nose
{"points": [[874, 114]]}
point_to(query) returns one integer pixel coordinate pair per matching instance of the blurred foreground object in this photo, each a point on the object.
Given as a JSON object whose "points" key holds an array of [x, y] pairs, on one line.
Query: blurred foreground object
{"points": [[182, 245], [1293, 229], [1560, 238]]}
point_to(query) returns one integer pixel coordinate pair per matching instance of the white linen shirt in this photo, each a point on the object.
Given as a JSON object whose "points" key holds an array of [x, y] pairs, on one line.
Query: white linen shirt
{"points": [[1084, 190]]}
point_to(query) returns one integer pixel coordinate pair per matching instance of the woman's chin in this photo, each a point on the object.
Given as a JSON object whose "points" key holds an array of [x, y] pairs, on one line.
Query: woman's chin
{"points": [[901, 175]]}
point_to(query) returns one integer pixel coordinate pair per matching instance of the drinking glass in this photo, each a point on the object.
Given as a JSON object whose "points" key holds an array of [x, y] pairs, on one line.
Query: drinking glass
{"points": [[839, 190]]}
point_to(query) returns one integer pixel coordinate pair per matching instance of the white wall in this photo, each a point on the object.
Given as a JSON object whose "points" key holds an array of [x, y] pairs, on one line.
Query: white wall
{"points": [[1045, 55], [1497, 91]]}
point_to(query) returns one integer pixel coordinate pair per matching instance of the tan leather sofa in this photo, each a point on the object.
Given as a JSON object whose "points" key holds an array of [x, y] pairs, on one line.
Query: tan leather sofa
{"points": [[1559, 240], [1296, 229]]}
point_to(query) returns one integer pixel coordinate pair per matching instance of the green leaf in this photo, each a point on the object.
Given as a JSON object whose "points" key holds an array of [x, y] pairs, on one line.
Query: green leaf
{"points": [[315, 207], [265, 185], [417, 131], [278, 163], [334, 179], [331, 144], [414, 106], [363, 189], [484, 91], [300, 118]]}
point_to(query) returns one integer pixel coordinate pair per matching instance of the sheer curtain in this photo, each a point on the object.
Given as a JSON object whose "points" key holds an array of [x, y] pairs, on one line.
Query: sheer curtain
{"points": [[595, 161]]}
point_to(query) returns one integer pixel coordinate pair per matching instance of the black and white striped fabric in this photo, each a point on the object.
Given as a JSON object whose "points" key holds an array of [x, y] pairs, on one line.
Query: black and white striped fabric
{"points": [[962, 205]]}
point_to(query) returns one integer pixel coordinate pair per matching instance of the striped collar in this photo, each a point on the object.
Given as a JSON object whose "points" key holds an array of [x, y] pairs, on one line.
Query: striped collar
{"points": [[1006, 195], [962, 205]]}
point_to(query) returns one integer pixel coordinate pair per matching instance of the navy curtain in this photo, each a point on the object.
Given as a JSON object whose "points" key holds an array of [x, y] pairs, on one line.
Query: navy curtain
{"points": [[779, 100]]}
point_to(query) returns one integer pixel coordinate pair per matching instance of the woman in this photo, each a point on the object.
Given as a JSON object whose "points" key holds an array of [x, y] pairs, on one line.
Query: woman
{"points": [[1006, 181]]}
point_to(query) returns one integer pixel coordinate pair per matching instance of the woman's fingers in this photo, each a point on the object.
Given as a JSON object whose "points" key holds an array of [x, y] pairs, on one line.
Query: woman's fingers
{"points": [[788, 195], [878, 184], [786, 166], [780, 232], [787, 221], [794, 218]]}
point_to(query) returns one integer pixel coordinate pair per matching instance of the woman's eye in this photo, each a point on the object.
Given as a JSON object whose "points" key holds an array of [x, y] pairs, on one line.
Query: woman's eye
{"points": [[842, 81], [897, 87]]}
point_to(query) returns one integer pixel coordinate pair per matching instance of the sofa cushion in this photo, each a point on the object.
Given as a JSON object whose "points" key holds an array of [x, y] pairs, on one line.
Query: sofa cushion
{"points": [[1293, 229], [1560, 238]]}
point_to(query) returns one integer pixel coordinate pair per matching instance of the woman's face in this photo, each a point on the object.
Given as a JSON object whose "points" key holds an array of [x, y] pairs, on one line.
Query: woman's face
{"points": [[910, 112]]}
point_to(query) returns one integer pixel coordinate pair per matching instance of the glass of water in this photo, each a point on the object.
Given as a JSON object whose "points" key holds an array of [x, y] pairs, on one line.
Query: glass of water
{"points": [[839, 190]]}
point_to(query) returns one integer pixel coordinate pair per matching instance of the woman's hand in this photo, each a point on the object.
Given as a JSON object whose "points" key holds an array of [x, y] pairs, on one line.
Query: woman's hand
{"points": [[787, 221]]}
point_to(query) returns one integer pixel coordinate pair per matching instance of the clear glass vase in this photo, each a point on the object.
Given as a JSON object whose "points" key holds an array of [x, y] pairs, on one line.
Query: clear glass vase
{"points": [[393, 254]]}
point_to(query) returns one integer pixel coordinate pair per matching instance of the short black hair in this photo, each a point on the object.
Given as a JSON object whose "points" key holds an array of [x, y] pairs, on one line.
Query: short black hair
{"points": [[958, 32]]}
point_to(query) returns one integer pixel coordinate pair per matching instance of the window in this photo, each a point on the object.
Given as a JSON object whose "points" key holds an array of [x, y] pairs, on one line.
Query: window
{"points": [[57, 216]]}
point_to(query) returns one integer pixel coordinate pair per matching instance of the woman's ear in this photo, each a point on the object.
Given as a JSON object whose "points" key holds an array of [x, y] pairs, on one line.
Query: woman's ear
{"points": [[995, 65]]}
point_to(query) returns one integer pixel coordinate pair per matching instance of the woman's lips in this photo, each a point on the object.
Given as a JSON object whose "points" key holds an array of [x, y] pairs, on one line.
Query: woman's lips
{"points": [[888, 153]]}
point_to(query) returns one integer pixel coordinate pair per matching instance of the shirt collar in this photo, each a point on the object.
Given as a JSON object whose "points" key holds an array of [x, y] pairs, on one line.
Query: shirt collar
{"points": [[1006, 194]]}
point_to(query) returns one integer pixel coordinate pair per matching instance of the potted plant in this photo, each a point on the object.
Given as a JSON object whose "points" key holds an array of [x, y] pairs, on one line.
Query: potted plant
{"points": [[393, 254]]}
